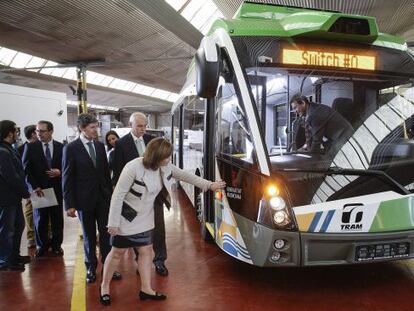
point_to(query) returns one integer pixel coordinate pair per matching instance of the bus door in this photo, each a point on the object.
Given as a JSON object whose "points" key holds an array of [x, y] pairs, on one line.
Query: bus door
{"points": [[237, 165]]}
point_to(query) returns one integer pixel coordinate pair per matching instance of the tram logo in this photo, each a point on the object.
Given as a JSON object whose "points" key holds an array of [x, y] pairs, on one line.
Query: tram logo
{"points": [[352, 217]]}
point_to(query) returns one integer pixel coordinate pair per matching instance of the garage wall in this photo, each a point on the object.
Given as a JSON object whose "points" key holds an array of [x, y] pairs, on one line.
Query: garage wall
{"points": [[26, 106]]}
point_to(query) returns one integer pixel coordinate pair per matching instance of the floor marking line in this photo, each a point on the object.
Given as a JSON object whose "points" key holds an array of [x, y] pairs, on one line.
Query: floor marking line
{"points": [[78, 302]]}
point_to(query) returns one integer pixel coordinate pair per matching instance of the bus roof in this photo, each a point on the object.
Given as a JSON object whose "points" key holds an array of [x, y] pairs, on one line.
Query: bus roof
{"points": [[256, 19]]}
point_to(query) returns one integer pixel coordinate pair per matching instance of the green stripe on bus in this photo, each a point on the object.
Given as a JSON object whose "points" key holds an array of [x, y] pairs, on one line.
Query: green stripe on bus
{"points": [[394, 215]]}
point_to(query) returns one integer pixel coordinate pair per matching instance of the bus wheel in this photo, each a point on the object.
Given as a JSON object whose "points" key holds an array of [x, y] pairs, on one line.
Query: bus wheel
{"points": [[201, 217]]}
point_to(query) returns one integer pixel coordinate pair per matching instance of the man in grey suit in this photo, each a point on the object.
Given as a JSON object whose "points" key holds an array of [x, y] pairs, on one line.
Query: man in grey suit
{"points": [[128, 148], [323, 125]]}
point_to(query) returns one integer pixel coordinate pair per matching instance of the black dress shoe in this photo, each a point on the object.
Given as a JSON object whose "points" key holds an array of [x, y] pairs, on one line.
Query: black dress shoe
{"points": [[13, 267], [161, 269], [24, 259], [90, 276], [116, 276], [57, 251], [40, 253], [104, 299], [157, 296]]}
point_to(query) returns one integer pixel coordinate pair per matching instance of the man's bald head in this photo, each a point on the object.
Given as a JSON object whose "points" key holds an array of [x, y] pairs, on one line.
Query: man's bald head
{"points": [[138, 122]]}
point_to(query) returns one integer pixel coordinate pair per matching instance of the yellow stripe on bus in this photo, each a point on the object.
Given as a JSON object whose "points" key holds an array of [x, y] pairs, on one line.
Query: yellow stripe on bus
{"points": [[304, 221], [210, 228], [78, 302]]}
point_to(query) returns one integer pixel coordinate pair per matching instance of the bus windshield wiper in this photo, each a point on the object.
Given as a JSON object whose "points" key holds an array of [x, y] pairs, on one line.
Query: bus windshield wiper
{"points": [[335, 170]]}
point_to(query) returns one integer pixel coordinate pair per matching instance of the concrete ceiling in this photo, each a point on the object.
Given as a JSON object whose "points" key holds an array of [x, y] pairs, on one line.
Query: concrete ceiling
{"points": [[112, 30], [134, 30]]}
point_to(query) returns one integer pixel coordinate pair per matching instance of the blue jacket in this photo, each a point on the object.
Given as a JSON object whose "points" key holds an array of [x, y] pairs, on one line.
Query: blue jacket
{"points": [[83, 183], [12, 185]]}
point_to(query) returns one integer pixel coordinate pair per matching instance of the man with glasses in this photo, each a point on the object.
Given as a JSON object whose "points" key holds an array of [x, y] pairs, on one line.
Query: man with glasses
{"points": [[12, 190], [128, 148], [42, 161]]}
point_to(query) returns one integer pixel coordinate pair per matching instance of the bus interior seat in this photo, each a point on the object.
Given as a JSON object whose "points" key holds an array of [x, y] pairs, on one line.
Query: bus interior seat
{"points": [[345, 106]]}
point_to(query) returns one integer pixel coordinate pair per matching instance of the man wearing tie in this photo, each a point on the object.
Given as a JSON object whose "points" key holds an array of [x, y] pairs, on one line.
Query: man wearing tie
{"points": [[87, 190], [42, 161], [128, 148]]}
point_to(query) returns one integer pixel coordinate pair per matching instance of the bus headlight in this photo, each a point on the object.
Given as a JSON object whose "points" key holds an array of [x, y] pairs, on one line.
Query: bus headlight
{"points": [[272, 190], [279, 243], [279, 217], [275, 256], [277, 203]]}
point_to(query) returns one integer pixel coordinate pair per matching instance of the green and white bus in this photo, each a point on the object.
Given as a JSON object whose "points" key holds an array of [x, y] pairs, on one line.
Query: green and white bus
{"points": [[282, 206]]}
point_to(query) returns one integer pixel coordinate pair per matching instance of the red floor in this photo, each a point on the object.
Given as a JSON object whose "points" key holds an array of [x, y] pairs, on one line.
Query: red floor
{"points": [[202, 277]]}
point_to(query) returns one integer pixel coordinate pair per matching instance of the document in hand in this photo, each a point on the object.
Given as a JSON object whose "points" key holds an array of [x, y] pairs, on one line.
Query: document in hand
{"points": [[49, 199]]}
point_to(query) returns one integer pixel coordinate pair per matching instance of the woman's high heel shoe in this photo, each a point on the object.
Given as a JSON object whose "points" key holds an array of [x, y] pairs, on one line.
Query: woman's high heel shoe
{"points": [[104, 299], [157, 296]]}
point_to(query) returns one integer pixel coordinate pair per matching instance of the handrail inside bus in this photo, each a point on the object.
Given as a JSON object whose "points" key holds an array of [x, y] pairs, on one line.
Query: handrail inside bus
{"points": [[355, 172]]}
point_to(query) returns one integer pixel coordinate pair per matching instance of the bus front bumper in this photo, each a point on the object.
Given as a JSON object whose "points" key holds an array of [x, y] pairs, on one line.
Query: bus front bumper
{"points": [[335, 249], [318, 249]]}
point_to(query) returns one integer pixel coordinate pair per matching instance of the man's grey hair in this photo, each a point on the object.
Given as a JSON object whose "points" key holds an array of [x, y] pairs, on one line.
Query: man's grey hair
{"points": [[137, 115]]}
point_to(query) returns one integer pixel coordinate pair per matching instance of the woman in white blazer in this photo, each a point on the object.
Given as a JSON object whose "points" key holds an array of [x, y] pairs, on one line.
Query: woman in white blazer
{"points": [[131, 215]]}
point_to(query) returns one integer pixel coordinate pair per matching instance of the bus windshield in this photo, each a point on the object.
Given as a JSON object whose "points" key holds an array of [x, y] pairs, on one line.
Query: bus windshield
{"points": [[368, 108], [349, 118]]}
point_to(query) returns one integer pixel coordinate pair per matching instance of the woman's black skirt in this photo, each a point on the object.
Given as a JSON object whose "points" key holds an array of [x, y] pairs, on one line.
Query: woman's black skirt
{"points": [[136, 240]]}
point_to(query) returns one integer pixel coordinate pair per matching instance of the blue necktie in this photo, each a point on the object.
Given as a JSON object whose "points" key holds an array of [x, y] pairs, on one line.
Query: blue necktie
{"points": [[48, 156]]}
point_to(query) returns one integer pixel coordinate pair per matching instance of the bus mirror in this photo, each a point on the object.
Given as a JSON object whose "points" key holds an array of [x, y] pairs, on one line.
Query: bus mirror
{"points": [[207, 68]]}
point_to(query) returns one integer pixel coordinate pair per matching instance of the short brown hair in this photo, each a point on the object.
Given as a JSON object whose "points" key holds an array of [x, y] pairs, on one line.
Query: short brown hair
{"points": [[156, 151]]}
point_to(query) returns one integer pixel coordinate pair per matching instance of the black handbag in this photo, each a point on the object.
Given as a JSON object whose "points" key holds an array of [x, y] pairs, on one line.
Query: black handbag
{"points": [[128, 212]]}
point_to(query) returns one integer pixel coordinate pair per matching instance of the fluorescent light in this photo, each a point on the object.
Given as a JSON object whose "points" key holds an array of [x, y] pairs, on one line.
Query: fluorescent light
{"points": [[73, 103], [36, 62], [161, 94], [20, 60], [48, 71], [6, 56], [70, 74], [200, 13], [191, 9], [147, 90], [59, 72], [176, 4], [16, 59]]}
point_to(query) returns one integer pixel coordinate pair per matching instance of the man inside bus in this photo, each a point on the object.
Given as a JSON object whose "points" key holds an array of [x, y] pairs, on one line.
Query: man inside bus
{"points": [[323, 125]]}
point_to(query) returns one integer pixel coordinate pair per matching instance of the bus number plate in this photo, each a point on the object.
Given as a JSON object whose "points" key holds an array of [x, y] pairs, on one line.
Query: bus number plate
{"points": [[382, 251]]}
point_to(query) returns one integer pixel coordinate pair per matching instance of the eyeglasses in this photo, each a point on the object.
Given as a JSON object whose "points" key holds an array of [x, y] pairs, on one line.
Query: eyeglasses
{"points": [[41, 131]]}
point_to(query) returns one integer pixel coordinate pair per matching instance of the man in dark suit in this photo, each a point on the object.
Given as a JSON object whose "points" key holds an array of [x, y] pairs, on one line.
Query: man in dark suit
{"points": [[323, 125], [30, 134], [128, 148], [87, 190], [42, 161], [12, 190]]}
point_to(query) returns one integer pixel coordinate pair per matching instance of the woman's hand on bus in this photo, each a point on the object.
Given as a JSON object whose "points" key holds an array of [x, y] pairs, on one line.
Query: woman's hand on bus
{"points": [[113, 231], [216, 185]]}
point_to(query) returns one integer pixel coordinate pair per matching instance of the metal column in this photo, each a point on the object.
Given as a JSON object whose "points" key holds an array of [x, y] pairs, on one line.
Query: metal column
{"points": [[81, 89]]}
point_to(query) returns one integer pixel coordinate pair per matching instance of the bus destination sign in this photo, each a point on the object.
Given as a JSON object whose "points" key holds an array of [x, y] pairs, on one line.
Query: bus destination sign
{"points": [[334, 59]]}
